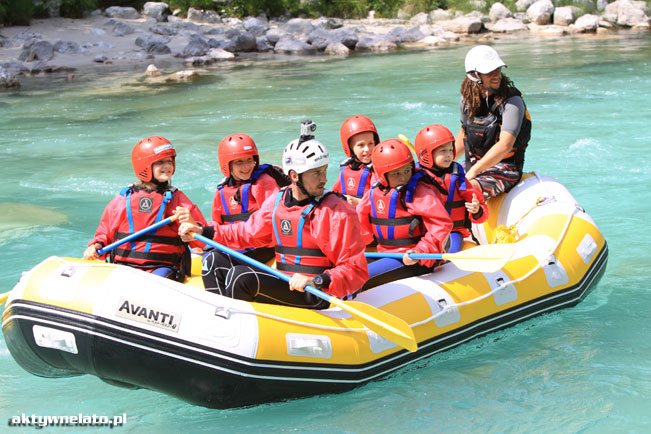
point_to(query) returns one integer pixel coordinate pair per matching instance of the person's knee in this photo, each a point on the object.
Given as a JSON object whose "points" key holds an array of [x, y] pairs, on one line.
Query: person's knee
{"points": [[241, 283]]}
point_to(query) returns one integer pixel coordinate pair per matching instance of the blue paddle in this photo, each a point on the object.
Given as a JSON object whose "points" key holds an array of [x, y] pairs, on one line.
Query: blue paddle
{"points": [[487, 258], [383, 323], [135, 235]]}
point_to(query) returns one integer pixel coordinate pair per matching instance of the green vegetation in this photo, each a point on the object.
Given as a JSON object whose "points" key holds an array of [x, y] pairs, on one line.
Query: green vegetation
{"points": [[19, 12], [76, 8], [16, 12]]}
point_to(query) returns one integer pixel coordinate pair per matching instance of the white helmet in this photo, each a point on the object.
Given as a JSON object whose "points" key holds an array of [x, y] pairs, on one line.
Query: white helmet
{"points": [[482, 59], [301, 157]]}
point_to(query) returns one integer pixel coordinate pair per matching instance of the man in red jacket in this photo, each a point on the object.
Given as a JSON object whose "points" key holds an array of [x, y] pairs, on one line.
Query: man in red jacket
{"points": [[314, 232]]}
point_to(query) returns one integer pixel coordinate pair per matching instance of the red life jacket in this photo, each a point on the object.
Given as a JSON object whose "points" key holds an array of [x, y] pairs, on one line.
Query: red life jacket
{"points": [[455, 205], [163, 247], [355, 182], [237, 201], [393, 225], [297, 251]]}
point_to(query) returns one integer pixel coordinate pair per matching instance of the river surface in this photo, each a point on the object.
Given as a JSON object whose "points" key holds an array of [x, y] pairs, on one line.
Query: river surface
{"points": [[65, 152]]}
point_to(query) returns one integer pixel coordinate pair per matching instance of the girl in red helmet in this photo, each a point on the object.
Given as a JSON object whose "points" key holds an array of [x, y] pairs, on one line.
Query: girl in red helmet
{"points": [[465, 203], [142, 204], [246, 185], [358, 138], [403, 212]]}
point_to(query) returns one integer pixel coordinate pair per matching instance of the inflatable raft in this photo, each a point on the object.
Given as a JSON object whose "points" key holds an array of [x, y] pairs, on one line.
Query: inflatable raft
{"points": [[68, 317]]}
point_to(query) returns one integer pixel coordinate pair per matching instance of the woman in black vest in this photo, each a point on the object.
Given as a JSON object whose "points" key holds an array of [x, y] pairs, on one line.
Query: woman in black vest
{"points": [[495, 124]]}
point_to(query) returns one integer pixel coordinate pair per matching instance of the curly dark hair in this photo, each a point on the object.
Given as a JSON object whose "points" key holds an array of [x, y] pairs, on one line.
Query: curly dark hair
{"points": [[473, 94]]}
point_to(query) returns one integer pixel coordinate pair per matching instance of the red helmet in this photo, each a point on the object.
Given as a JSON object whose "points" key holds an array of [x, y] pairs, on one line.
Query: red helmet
{"points": [[390, 155], [147, 152], [234, 147], [355, 125], [430, 138]]}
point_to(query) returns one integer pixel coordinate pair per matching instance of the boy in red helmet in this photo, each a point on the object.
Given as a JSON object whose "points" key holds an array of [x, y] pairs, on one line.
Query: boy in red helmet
{"points": [[465, 204], [246, 185], [404, 213], [142, 204], [358, 138]]}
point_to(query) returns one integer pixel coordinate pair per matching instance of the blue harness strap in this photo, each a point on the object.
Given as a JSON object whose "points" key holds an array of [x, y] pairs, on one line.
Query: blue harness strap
{"points": [[167, 196], [362, 181], [393, 203], [273, 221], [301, 223], [455, 184]]}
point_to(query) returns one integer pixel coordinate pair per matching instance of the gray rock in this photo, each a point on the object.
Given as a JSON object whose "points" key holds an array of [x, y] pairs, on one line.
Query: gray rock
{"points": [[523, 5], [337, 49], [508, 25], [253, 22], [201, 16], [499, 11], [100, 59], [274, 35], [164, 30], [328, 23], [400, 35], [121, 29], [299, 26], [440, 15], [262, 44], [564, 16], [320, 38], [36, 50], [157, 10], [98, 32], [541, 12], [287, 44], [375, 43], [128, 13], [26, 36], [144, 41], [629, 14], [346, 36], [67, 47], [419, 19], [196, 47], [601, 5], [158, 48], [13, 67], [244, 42], [586, 23], [8, 80], [464, 24]]}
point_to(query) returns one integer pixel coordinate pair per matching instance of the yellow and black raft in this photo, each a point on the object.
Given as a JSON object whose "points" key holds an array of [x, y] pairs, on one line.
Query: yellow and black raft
{"points": [[69, 317]]}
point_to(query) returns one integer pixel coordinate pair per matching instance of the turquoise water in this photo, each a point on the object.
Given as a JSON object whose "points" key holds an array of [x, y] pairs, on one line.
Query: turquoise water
{"points": [[66, 152]]}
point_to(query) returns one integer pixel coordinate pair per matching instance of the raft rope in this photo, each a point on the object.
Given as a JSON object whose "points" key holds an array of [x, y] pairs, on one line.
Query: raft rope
{"points": [[549, 199], [509, 234]]}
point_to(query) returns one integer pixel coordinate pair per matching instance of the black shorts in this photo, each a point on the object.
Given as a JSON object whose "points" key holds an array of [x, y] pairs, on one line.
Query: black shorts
{"points": [[500, 178]]}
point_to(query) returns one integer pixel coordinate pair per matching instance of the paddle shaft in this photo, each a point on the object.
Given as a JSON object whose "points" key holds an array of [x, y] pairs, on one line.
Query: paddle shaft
{"points": [[400, 255], [136, 235], [265, 267]]}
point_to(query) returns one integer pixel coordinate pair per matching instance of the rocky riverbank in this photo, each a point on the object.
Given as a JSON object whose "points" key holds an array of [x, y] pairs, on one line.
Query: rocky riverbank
{"points": [[152, 40]]}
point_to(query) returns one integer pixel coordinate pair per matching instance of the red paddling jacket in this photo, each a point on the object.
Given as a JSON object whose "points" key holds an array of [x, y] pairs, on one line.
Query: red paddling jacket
{"points": [[355, 178], [135, 209], [411, 217], [314, 236], [453, 180]]}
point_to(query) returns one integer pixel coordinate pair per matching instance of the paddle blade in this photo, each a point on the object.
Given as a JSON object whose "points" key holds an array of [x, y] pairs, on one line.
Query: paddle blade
{"points": [[4, 297], [488, 258], [383, 323]]}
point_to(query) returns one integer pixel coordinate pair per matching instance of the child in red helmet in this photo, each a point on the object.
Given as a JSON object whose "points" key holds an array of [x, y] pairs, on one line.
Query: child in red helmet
{"points": [[246, 185], [142, 204], [403, 212], [358, 138], [465, 203]]}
